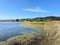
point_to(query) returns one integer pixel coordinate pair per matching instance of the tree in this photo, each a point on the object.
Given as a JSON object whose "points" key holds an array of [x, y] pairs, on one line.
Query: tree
{"points": [[17, 20]]}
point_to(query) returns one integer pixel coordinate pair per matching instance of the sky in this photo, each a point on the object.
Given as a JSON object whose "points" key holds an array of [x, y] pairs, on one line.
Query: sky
{"points": [[17, 9]]}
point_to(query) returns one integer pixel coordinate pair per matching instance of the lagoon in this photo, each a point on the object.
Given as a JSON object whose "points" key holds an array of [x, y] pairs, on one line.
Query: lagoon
{"points": [[10, 29]]}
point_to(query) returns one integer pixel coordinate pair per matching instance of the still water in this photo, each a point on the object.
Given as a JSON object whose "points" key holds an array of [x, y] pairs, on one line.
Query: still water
{"points": [[10, 29]]}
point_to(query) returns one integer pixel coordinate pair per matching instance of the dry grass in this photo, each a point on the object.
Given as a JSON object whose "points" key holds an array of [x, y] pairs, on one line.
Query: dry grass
{"points": [[28, 39], [49, 36], [51, 31]]}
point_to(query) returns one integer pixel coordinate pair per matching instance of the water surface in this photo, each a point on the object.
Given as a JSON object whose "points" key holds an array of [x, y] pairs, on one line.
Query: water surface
{"points": [[10, 29]]}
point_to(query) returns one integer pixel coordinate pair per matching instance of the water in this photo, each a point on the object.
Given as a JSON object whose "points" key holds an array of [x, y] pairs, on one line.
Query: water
{"points": [[10, 29]]}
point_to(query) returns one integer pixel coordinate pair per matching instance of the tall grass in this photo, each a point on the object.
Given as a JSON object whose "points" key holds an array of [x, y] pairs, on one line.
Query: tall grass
{"points": [[51, 32], [50, 35], [28, 39]]}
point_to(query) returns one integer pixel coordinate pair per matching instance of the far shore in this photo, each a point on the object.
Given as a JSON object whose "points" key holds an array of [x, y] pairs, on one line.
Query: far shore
{"points": [[41, 25]]}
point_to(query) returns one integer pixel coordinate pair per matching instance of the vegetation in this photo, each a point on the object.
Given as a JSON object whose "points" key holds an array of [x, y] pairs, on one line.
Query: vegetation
{"points": [[37, 19], [27, 39], [51, 31], [17, 20]]}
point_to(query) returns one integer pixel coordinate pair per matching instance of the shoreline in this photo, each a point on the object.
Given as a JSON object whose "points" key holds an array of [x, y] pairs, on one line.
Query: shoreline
{"points": [[22, 40], [41, 25], [48, 37]]}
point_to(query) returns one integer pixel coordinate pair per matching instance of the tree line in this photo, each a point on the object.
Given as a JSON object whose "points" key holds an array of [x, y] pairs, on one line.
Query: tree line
{"points": [[48, 18]]}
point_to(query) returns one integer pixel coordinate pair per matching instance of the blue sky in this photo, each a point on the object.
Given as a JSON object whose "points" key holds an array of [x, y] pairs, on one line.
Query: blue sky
{"points": [[17, 9]]}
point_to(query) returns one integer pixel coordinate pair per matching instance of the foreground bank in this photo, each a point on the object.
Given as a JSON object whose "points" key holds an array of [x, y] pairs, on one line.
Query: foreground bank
{"points": [[51, 31]]}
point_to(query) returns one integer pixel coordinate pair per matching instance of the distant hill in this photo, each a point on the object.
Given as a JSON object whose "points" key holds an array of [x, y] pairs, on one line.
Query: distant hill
{"points": [[48, 18], [38, 19]]}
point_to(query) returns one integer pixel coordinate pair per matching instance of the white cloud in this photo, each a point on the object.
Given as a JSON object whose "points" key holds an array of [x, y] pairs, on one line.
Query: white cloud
{"points": [[36, 10]]}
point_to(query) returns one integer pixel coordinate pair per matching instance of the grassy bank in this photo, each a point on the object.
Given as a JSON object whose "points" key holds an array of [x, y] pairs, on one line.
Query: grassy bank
{"points": [[27, 39], [51, 31]]}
